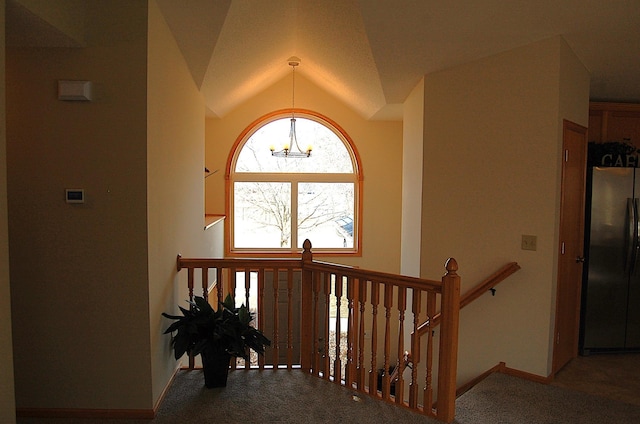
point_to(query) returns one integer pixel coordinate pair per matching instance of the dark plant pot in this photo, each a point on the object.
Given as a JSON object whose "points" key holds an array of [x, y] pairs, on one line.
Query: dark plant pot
{"points": [[215, 365]]}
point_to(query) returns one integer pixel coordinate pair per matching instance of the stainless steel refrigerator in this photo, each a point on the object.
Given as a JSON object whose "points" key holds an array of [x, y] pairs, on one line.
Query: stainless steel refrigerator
{"points": [[610, 314]]}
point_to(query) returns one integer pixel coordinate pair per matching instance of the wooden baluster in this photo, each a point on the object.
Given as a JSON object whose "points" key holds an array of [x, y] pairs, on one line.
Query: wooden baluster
{"points": [[327, 295], [247, 288], [349, 366], [388, 304], [260, 311], [337, 363], [231, 289], [192, 360], [416, 304], [219, 285], [399, 382], [315, 354], [205, 283], [290, 318], [428, 386], [373, 372], [276, 329], [362, 299], [190, 283], [233, 283]]}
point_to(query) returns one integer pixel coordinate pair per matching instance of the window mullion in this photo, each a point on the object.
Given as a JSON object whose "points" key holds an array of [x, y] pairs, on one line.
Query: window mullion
{"points": [[294, 214]]}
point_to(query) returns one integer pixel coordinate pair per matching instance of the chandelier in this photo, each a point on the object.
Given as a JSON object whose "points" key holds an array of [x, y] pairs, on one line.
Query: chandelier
{"points": [[291, 149]]}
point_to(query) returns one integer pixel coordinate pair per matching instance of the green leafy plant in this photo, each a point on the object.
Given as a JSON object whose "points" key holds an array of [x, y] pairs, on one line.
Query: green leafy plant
{"points": [[227, 329]]}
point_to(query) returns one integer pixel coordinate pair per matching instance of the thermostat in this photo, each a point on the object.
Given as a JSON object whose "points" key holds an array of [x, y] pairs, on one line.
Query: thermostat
{"points": [[74, 90], [74, 195]]}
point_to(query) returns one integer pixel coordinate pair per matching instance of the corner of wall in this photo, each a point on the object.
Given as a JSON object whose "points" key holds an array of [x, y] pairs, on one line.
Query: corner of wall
{"points": [[7, 391]]}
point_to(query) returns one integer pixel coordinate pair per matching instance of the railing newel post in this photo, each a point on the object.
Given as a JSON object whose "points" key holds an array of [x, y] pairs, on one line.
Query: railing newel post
{"points": [[306, 293], [448, 353]]}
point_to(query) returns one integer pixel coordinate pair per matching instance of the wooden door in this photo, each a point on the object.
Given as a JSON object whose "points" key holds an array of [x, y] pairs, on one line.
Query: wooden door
{"points": [[571, 255]]}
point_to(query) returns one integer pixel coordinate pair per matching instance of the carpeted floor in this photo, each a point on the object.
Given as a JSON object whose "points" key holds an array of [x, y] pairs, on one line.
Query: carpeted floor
{"points": [[263, 397], [295, 397]]}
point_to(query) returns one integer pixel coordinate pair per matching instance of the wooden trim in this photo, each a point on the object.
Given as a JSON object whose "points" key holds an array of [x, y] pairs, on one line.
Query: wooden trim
{"points": [[470, 384], [563, 310], [614, 107], [133, 414], [163, 395], [358, 172], [502, 368], [210, 220], [525, 375], [86, 413]]}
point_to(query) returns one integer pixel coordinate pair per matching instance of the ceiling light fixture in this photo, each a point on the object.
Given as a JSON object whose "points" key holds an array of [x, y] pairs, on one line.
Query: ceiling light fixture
{"points": [[291, 149]]}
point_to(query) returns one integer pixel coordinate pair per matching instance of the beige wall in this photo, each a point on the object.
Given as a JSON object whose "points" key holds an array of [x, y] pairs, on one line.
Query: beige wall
{"points": [[66, 16], [379, 144], [103, 271], [492, 133], [175, 194], [7, 398], [412, 146], [79, 274], [573, 105]]}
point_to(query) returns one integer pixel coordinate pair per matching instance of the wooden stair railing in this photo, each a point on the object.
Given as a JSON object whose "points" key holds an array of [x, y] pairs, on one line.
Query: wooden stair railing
{"points": [[347, 324], [487, 284], [481, 288]]}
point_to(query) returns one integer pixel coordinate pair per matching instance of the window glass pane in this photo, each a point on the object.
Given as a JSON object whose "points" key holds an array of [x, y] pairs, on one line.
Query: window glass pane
{"points": [[325, 214], [262, 215], [329, 154]]}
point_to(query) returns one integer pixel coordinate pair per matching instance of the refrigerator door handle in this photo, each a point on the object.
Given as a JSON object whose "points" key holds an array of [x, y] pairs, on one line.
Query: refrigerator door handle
{"points": [[631, 236], [636, 238]]}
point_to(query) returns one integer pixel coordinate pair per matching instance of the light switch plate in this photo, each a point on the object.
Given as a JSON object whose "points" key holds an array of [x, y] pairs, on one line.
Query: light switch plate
{"points": [[529, 242]]}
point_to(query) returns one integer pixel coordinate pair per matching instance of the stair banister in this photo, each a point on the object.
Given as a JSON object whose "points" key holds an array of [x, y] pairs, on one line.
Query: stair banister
{"points": [[448, 353], [480, 289], [370, 297]]}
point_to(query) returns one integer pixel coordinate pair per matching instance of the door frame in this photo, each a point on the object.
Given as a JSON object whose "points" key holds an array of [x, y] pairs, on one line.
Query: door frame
{"points": [[562, 319]]}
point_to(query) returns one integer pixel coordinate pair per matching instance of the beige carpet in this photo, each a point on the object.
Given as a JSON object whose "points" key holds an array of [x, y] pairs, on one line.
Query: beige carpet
{"points": [[295, 397]]}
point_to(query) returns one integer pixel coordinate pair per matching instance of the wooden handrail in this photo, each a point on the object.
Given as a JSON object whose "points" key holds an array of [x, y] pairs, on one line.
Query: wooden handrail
{"points": [[480, 289], [398, 280]]}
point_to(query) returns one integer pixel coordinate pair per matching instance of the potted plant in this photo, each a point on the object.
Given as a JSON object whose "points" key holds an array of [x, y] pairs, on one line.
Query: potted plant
{"points": [[216, 335]]}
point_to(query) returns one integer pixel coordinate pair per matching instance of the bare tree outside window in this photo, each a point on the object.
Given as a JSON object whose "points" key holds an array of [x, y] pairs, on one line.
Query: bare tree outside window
{"points": [[280, 202]]}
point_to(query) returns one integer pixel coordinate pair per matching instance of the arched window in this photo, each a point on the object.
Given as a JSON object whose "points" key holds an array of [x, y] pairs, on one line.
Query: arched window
{"points": [[276, 203]]}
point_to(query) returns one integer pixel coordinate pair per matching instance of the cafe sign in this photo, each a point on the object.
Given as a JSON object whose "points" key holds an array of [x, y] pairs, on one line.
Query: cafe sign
{"points": [[620, 154]]}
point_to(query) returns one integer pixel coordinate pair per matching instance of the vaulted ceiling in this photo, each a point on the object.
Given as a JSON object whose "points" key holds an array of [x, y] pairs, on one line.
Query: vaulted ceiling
{"points": [[371, 54]]}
